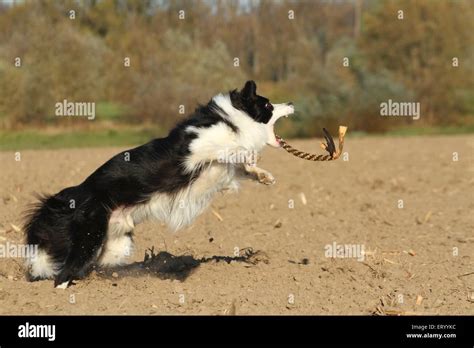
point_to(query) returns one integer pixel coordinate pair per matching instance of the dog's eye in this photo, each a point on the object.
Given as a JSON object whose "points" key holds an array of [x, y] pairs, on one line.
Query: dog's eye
{"points": [[268, 106]]}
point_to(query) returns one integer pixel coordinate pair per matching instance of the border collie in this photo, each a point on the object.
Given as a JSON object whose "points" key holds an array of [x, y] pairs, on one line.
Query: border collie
{"points": [[171, 179]]}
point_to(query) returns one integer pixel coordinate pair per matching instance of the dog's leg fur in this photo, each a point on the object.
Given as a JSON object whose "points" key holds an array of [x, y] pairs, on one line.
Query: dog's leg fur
{"points": [[117, 250], [88, 232], [118, 245]]}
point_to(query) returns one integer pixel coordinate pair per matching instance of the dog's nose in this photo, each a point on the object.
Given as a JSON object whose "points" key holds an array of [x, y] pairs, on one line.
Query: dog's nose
{"points": [[289, 104]]}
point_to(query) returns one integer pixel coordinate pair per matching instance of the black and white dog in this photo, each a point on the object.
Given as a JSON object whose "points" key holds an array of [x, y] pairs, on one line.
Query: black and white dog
{"points": [[171, 179]]}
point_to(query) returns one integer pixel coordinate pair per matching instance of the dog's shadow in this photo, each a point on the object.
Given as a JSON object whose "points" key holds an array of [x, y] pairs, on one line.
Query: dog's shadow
{"points": [[168, 266]]}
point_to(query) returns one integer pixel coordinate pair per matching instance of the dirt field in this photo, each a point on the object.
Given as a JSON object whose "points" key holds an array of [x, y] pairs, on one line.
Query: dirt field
{"points": [[418, 259]]}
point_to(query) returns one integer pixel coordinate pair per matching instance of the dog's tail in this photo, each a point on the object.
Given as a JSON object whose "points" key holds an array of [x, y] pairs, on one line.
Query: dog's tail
{"points": [[45, 234]]}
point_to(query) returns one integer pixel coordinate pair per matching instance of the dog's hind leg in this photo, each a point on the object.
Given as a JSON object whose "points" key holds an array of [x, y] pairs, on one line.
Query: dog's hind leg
{"points": [[118, 245], [88, 234], [117, 250]]}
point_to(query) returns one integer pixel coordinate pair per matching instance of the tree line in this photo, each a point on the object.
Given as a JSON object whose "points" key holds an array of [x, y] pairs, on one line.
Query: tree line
{"points": [[152, 60]]}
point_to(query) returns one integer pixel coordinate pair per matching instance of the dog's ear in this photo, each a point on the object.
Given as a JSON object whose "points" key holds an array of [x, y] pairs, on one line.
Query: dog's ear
{"points": [[250, 90]]}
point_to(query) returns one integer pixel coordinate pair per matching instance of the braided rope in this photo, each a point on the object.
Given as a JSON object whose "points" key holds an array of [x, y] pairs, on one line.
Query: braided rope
{"points": [[329, 147]]}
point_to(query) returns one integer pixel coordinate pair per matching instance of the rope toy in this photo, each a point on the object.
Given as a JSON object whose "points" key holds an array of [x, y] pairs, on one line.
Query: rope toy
{"points": [[329, 146]]}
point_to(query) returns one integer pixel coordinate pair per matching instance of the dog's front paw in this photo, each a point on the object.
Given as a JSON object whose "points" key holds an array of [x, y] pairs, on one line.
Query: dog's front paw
{"points": [[266, 178]]}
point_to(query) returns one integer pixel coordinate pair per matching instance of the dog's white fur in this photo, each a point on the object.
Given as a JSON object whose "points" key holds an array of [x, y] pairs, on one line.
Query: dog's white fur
{"points": [[41, 265]]}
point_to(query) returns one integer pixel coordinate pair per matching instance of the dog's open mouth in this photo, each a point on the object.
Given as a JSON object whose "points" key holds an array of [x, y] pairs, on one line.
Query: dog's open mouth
{"points": [[279, 110]]}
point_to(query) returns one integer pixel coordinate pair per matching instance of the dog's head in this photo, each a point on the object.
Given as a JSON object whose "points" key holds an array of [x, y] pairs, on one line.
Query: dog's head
{"points": [[260, 109]]}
